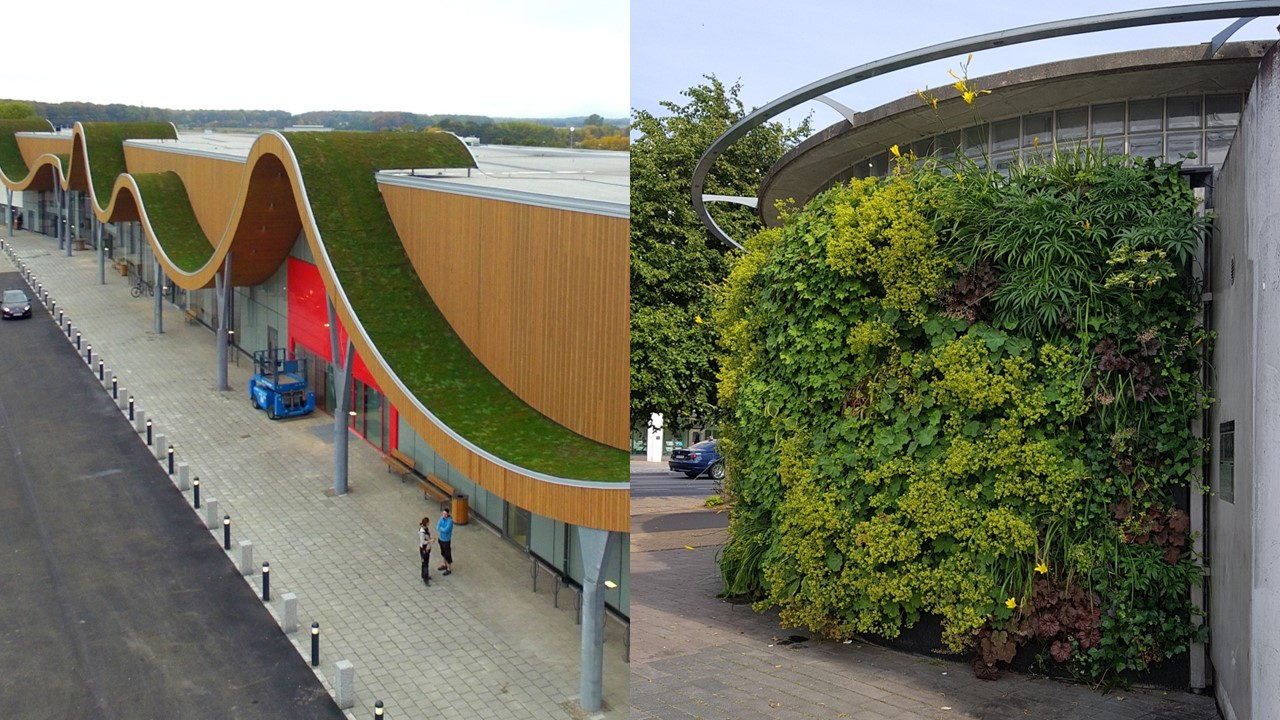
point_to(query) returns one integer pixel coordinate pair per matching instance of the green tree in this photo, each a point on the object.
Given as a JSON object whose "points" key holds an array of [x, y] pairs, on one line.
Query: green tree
{"points": [[17, 110], [675, 264]]}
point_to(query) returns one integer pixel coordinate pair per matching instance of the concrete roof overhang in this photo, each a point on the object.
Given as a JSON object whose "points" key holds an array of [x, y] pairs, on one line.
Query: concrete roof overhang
{"points": [[828, 156]]}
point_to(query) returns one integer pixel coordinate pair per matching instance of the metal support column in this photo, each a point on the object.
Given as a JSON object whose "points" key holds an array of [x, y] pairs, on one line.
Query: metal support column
{"points": [[596, 549], [66, 220], [342, 364], [157, 292], [222, 286], [8, 204], [102, 253]]}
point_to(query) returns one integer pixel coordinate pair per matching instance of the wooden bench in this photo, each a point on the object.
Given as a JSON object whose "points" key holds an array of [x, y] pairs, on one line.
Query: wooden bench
{"points": [[399, 463], [193, 317], [435, 487]]}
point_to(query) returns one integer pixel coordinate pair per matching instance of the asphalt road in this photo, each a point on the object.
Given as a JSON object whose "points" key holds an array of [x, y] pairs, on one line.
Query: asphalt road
{"points": [[118, 602], [653, 480]]}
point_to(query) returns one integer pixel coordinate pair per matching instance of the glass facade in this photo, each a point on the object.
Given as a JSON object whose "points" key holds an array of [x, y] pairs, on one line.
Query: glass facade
{"points": [[1195, 128]]}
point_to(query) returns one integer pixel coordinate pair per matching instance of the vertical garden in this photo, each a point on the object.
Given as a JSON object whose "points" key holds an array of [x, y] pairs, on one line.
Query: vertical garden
{"points": [[955, 393]]}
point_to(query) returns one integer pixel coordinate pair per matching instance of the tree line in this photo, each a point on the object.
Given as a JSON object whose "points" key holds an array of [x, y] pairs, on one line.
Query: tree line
{"points": [[591, 131]]}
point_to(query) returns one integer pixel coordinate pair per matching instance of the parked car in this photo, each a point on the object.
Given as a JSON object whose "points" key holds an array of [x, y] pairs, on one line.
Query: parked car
{"points": [[703, 457], [15, 304]]}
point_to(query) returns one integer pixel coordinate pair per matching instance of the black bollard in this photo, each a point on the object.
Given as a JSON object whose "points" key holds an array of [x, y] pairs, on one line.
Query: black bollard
{"points": [[266, 582], [77, 341], [315, 644], [377, 710], [115, 387], [89, 356], [148, 433], [101, 370], [53, 306], [59, 317], [68, 328], [226, 532], [195, 490], [170, 459], [130, 407]]}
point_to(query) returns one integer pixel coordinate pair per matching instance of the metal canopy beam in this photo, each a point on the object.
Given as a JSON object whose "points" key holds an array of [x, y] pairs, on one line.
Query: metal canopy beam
{"points": [[1003, 38]]}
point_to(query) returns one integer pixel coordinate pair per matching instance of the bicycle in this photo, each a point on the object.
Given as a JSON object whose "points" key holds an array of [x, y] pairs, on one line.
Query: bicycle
{"points": [[142, 286]]}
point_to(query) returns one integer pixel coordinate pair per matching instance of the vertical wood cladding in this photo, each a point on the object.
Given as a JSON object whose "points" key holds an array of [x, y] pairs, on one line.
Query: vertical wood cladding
{"points": [[212, 184], [540, 296]]}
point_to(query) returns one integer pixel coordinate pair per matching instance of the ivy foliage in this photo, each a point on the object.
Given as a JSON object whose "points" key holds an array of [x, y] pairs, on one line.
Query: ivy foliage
{"points": [[961, 394]]}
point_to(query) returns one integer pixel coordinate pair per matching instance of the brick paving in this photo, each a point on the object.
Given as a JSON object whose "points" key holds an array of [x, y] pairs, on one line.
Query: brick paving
{"points": [[696, 656], [479, 643]]}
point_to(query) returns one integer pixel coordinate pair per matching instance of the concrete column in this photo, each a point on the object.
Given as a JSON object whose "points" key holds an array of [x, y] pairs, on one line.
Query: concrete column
{"points": [[122, 399], [160, 444], [653, 448], [139, 419], [66, 221], [8, 222], [246, 557], [212, 518], [289, 616], [596, 549], [344, 684], [220, 290], [342, 388], [184, 476]]}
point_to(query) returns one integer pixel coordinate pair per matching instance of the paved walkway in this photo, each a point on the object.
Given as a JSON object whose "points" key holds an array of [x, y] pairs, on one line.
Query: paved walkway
{"points": [[697, 656], [478, 644]]}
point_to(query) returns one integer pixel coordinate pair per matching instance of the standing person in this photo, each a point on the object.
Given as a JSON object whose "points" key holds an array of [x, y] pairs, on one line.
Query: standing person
{"points": [[424, 549], [444, 532]]}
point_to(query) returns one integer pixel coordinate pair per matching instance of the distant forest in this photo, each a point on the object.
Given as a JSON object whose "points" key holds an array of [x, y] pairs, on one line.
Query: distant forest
{"points": [[591, 131]]}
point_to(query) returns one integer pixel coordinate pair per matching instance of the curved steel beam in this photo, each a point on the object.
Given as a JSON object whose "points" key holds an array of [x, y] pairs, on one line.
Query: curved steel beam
{"points": [[1003, 38]]}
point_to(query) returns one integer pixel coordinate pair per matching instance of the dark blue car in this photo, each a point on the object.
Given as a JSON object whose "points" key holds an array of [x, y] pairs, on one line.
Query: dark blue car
{"points": [[703, 457]]}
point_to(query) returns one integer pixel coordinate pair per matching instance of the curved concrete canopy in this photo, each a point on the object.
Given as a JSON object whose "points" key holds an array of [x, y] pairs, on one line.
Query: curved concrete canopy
{"points": [[828, 156]]}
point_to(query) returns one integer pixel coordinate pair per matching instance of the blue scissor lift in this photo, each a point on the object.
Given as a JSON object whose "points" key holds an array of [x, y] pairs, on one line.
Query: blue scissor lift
{"points": [[279, 384]]}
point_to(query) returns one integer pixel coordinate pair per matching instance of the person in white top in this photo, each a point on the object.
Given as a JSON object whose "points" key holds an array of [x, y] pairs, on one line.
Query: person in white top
{"points": [[424, 549]]}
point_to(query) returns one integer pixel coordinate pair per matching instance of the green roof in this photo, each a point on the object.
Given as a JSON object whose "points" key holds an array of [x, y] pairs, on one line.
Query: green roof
{"points": [[173, 221], [403, 321], [11, 162]]}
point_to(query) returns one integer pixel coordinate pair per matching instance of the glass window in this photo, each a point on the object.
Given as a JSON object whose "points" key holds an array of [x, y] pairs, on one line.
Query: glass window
{"points": [[1037, 127], [1222, 110], [1217, 142], [878, 166], [1146, 116], [975, 140], [1183, 113], [1108, 120], [1147, 146], [1183, 145], [1073, 124], [922, 148], [374, 422], [949, 143], [1002, 161], [1005, 135], [518, 525]]}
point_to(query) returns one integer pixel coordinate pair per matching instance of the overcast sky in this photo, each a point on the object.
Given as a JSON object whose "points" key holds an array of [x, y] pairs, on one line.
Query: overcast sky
{"points": [[776, 47], [505, 58]]}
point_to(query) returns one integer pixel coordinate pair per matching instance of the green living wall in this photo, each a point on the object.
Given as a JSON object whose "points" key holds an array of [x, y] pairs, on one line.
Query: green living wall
{"points": [[955, 393]]}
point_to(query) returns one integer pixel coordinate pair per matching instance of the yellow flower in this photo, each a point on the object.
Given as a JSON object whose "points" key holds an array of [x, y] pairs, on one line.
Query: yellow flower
{"points": [[1011, 603], [969, 96], [1035, 142], [959, 177], [1042, 567], [1086, 226], [960, 87], [697, 318], [895, 151]]}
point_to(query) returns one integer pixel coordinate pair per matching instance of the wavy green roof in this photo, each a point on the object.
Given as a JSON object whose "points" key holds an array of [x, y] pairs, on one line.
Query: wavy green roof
{"points": [[11, 162], [403, 321], [173, 220], [104, 144]]}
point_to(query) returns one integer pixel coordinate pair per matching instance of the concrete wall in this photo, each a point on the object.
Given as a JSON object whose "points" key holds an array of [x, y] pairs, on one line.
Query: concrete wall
{"points": [[1245, 534]]}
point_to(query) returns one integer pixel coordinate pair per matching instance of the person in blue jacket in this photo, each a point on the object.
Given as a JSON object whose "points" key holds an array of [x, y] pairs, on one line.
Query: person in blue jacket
{"points": [[444, 536]]}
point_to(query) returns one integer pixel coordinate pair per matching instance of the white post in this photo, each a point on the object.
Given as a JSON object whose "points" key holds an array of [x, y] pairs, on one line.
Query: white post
{"points": [[653, 450]]}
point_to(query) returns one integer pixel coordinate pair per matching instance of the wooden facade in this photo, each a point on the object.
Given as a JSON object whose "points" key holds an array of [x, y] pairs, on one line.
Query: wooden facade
{"points": [[212, 183], [539, 295]]}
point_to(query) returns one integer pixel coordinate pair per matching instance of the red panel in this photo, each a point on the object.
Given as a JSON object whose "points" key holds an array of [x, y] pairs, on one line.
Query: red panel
{"points": [[309, 317]]}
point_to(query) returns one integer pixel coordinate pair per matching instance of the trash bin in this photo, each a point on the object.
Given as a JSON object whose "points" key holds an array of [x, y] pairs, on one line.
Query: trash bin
{"points": [[461, 509]]}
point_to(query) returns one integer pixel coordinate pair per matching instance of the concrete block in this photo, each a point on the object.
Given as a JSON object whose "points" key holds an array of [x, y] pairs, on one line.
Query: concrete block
{"points": [[160, 444], [289, 615], [212, 518], [344, 684], [184, 476], [122, 398], [139, 419], [246, 557]]}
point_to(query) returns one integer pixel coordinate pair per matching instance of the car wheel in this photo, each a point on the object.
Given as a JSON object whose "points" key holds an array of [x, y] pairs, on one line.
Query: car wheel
{"points": [[717, 471]]}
